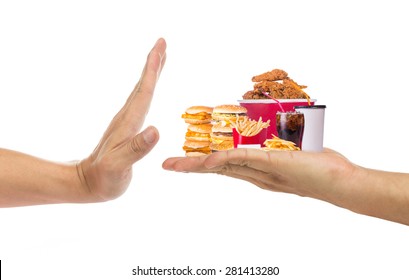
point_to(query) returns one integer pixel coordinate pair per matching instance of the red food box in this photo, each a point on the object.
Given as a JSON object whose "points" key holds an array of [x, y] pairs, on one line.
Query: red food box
{"points": [[256, 141]]}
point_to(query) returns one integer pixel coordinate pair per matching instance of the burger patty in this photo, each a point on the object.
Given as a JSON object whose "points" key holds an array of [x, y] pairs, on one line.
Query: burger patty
{"points": [[199, 116], [205, 150], [228, 115], [197, 134], [227, 134]]}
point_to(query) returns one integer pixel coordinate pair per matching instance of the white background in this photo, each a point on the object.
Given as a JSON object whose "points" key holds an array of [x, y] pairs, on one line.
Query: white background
{"points": [[66, 67]]}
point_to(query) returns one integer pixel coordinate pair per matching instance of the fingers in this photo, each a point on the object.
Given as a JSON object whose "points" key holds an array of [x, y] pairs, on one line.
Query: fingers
{"points": [[138, 103], [142, 144], [239, 169], [253, 158], [242, 173], [243, 157], [138, 147], [256, 166], [153, 67], [209, 163], [185, 164]]}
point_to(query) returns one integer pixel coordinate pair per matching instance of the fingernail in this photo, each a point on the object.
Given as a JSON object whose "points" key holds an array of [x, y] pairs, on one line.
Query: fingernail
{"points": [[149, 135]]}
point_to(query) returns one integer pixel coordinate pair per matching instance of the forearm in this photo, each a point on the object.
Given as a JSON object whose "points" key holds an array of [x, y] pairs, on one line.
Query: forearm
{"points": [[374, 193], [27, 180]]}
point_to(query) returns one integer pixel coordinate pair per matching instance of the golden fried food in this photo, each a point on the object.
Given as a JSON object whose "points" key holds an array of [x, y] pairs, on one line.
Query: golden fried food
{"points": [[248, 127], [278, 144], [275, 84], [273, 75]]}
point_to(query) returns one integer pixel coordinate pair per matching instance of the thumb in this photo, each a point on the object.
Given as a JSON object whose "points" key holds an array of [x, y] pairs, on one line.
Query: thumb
{"points": [[142, 144]]}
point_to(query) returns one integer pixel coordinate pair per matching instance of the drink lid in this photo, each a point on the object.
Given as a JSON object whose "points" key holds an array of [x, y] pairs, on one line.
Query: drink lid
{"points": [[311, 107]]}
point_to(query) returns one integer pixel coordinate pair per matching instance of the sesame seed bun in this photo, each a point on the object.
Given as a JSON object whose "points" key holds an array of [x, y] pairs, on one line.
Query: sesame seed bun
{"points": [[228, 113], [198, 115], [198, 109], [229, 109]]}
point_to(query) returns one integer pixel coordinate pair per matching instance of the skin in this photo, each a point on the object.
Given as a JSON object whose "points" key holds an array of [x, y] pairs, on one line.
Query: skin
{"points": [[106, 173], [326, 176]]}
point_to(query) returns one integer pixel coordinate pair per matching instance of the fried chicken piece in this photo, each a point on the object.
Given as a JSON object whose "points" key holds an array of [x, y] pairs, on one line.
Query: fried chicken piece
{"points": [[273, 75], [276, 84], [274, 88], [293, 93], [251, 94], [284, 90], [290, 82]]}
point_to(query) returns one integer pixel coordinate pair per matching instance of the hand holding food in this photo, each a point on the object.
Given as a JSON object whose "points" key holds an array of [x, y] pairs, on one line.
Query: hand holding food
{"points": [[320, 174]]}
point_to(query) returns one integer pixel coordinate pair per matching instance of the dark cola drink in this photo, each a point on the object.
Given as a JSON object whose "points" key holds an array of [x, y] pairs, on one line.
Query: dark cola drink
{"points": [[290, 127]]}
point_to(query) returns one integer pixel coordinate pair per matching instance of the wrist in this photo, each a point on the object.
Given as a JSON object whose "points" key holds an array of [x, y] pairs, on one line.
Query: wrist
{"points": [[83, 184]]}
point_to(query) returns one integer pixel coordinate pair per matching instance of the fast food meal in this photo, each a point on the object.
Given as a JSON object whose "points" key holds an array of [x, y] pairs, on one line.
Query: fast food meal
{"points": [[248, 127], [278, 144], [222, 132], [198, 115], [211, 129], [275, 84]]}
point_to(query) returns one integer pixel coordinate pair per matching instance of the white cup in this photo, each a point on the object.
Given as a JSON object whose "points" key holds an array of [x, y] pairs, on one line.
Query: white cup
{"points": [[313, 138]]}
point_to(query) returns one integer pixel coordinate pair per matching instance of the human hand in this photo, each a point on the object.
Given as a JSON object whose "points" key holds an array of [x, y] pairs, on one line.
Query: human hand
{"points": [[327, 176], [301, 173], [107, 172]]}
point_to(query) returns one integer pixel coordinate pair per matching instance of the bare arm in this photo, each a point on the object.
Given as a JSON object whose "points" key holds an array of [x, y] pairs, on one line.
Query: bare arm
{"points": [[106, 173], [27, 180], [327, 176]]}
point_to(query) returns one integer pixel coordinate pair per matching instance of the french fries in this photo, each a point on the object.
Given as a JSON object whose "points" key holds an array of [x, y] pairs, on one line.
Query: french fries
{"points": [[248, 127], [277, 143]]}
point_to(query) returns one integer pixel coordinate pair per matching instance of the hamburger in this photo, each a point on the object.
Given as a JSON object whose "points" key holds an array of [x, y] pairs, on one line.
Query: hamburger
{"points": [[198, 115], [221, 137], [222, 131], [196, 148], [199, 132], [227, 114], [197, 137]]}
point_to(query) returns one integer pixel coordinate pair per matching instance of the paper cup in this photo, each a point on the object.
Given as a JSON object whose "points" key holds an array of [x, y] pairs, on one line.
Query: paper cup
{"points": [[256, 141], [267, 109], [313, 139]]}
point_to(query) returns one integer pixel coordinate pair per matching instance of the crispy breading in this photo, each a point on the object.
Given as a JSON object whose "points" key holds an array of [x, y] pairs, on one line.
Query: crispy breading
{"points": [[275, 89], [276, 84], [273, 75], [251, 94]]}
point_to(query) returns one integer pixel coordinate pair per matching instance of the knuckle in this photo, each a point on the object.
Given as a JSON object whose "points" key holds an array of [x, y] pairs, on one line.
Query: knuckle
{"points": [[136, 145]]}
